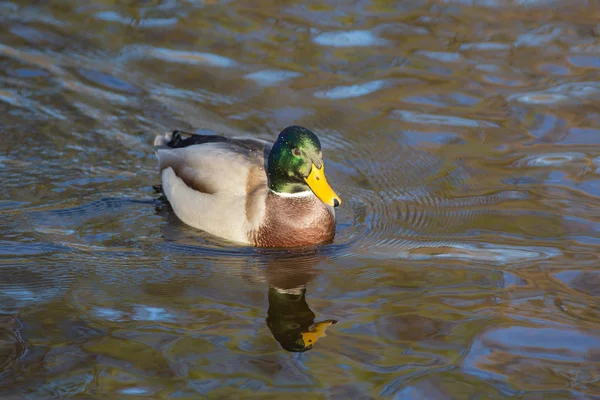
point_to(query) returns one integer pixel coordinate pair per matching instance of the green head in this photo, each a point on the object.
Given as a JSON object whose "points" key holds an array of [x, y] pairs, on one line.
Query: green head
{"points": [[296, 165]]}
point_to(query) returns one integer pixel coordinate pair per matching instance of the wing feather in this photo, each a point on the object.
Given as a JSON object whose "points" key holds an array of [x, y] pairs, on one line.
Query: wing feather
{"points": [[215, 166]]}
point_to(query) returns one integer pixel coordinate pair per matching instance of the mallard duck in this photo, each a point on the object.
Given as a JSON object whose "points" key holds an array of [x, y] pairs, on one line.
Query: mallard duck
{"points": [[248, 190]]}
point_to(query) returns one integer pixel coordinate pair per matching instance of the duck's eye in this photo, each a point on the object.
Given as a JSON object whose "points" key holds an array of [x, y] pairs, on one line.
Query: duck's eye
{"points": [[296, 151]]}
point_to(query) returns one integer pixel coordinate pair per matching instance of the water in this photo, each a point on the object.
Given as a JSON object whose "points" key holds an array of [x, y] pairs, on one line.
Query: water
{"points": [[463, 137]]}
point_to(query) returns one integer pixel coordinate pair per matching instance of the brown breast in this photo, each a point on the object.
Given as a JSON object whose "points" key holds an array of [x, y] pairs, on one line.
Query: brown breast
{"points": [[294, 222]]}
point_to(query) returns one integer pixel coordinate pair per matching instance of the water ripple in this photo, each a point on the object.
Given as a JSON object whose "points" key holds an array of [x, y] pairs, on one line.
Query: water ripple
{"points": [[445, 57], [24, 285], [485, 46], [349, 39], [449, 120], [568, 93], [541, 36], [113, 16], [191, 57], [556, 351], [551, 160], [347, 92], [272, 77], [481, 252]]}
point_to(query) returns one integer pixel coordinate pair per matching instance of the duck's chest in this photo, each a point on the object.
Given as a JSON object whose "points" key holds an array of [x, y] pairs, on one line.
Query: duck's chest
{"points": [[293, 222]]}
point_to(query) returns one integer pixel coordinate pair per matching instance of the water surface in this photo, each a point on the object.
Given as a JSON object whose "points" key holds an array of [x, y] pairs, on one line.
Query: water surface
{"points": [[464, 140]]}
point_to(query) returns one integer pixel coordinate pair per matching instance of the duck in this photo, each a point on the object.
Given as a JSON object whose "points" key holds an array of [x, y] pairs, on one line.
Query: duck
{"points": [[247, 190]]}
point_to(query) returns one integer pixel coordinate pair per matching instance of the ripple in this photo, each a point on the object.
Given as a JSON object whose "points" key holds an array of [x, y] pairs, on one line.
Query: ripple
{"points": [[586, 282], [585, 61], [136, 391], [108, 81], [349, 39], [417, 200], [191, 57], [441, 56], [585, 136], [557, 351], [207, 250], [28, 73], [26, 285], [8, 205], [539, 37], [554, 69], [540, 98], [69, 386], [18, 249], [482, 252], [113, 16], [89, 91], [485, 46], [551, 160], [16, 100], [347, 92], [430, 119], [79, 214], [596, 162], [108, 314], [500, 4], [43, 61], [36, 36], [147, 313], [272, 77], [567, 93], [200, 96], [406, 327], [139, 313]]}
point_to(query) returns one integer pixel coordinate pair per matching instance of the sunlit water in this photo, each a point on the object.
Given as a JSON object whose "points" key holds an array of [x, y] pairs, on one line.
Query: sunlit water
{"points": [[464, 141]]}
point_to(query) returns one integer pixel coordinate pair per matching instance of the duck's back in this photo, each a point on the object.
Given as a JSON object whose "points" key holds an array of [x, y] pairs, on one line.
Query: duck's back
{"points": [[214, 164]]}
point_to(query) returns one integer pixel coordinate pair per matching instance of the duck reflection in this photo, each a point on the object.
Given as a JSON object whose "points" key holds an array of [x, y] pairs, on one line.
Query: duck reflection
{"points": [[287, 272], [289, 318]]}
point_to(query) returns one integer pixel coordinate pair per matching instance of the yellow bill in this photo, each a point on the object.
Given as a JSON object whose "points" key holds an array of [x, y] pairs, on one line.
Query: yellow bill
{"points": [[317, 332], [318, 184]]}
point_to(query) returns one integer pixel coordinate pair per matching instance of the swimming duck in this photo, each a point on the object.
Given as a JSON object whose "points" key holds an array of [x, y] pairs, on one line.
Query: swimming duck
{"points": [[248, 190]]}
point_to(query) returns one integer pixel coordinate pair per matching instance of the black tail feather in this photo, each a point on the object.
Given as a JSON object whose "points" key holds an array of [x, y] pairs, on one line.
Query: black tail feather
{"points": [[178, 141]]}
